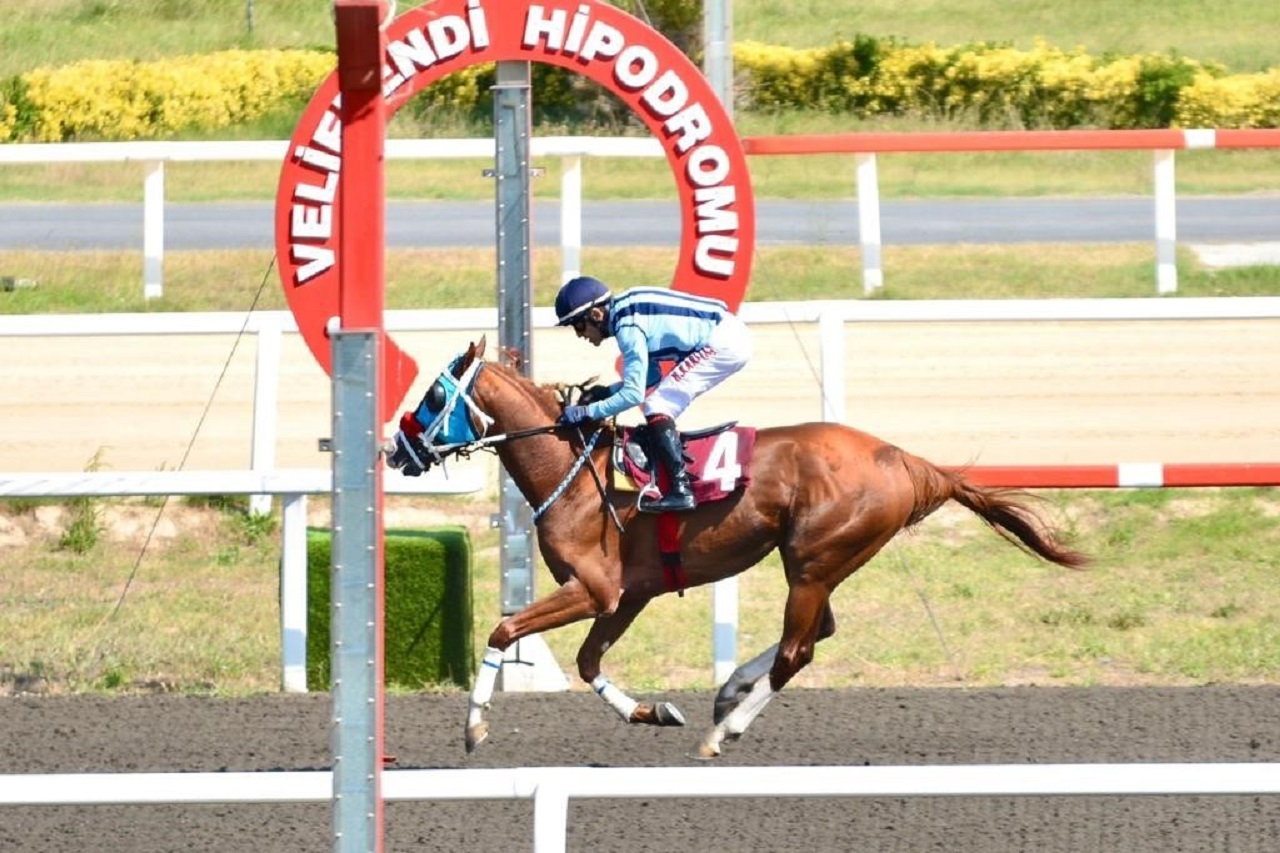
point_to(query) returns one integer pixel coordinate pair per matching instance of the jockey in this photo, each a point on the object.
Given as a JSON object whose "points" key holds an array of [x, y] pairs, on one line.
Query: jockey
{"points": [[705, 340]]}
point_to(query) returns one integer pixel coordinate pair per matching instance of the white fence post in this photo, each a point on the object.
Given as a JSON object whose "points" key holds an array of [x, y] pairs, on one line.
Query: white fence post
{"points": [[153, 230], [570, 217], [293, 593], [869, 223], [831, 346], [724, 631], [266, 405], [1166, 223], [550, 817]]}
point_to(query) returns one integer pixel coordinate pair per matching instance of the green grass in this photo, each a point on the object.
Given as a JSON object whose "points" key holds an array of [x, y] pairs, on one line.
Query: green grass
{"points": [[34, 33], [1237, 33], [956, 175], [93, 282], [1231, 33], [1181, 593]]}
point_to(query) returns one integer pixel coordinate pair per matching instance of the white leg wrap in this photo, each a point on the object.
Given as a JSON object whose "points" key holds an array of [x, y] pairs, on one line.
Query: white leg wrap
{"points": [[617, 700], [749, 708], [482, 692]]}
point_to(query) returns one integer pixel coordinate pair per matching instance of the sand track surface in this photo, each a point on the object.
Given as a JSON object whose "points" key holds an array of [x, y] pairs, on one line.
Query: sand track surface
{"points": [[1023, 725]]}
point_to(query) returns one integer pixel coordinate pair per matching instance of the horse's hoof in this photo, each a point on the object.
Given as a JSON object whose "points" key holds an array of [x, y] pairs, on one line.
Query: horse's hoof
{"points": [[708, 750], [668, 714], [476, 735]]}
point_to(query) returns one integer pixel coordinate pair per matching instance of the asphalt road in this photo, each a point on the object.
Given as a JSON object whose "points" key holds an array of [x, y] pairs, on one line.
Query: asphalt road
{"points": [[647, 223]]}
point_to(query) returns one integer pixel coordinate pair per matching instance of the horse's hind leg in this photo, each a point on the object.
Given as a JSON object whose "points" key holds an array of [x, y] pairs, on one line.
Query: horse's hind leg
{"points": [[744, 678], [808, 610], [604, 633], [739, 683]]}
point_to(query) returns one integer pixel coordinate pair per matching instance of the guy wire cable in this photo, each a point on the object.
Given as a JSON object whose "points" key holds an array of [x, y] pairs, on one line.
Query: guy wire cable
{"points": [[928, 609], [235, 345]]}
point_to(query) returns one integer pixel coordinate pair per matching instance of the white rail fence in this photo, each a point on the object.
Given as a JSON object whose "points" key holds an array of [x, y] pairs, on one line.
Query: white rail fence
{"points": [[551, 788], [292, 485], [153, 156], [263, 480]]}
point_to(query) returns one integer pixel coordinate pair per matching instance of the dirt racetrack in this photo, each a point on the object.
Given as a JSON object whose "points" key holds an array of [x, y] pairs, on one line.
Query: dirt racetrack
{"points": [[801, 727]]}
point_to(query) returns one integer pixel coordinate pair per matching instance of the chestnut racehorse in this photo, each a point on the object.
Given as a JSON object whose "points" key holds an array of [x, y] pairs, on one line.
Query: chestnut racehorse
{"points": [[827, 496]]}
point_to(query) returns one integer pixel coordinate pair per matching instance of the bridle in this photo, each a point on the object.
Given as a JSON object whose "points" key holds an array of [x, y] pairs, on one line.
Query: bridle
{"points": [[450, 422]]}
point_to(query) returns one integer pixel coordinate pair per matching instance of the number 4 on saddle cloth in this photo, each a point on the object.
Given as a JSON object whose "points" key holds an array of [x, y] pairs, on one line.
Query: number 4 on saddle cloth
{"points": [[719, 464], [719, 460]]}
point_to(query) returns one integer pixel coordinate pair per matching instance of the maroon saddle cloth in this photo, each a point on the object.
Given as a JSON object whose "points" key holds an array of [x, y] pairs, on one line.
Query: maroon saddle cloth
{"points": [[720, 460]]}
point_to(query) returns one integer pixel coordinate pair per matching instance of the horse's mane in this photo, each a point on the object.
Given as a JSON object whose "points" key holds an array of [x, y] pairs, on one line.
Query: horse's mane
{"points": [[552, 396]]}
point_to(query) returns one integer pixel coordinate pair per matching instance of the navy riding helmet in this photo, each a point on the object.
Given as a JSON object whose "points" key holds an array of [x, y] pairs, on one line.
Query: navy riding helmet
{"points": [[578, 296]]}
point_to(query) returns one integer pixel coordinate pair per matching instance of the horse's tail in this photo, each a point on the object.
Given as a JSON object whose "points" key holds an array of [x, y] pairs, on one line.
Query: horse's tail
{"points": [[1004, 510]]}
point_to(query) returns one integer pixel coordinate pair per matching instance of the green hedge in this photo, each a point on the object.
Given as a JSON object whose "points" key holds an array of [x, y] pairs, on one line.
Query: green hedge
{"points": [[427, 610], [987, 84]]}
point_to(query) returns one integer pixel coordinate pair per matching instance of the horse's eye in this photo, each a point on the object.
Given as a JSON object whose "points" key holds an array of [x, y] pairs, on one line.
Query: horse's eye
{"points": [[435, 397]]}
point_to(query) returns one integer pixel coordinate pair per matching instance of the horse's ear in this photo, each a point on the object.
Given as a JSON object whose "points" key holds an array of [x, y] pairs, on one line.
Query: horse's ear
{"points": [[475, 350]]}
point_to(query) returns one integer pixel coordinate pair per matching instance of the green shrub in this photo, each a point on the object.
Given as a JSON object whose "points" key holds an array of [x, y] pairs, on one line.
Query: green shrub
{"points": [[990, 85], [427, 611], [84, 528], [17, 113], [1161, 80]]}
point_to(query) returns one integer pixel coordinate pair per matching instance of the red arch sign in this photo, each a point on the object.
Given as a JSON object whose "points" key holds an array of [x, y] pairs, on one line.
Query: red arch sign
{"points": [[655, 80]]}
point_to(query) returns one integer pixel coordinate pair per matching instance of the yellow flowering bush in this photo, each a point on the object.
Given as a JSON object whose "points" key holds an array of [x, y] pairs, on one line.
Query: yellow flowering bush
{"points": [[777, 77], [1245, 100], [999, 86], [8, 117], [1111, 89], [993, 85], [910, 79], [99, 99]]}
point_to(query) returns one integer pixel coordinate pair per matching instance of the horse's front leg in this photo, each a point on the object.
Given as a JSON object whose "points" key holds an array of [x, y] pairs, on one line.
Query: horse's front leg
{"points": [[566, 604], [604, 633]]}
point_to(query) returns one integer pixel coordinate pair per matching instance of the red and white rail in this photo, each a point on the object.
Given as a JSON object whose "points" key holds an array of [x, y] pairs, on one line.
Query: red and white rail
{"points": [[1161, 142], [1127, 475], [864, 147]]}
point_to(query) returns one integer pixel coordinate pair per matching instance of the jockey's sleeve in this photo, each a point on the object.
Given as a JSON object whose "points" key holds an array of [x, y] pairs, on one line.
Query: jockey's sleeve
{"points": [[635, 367]]}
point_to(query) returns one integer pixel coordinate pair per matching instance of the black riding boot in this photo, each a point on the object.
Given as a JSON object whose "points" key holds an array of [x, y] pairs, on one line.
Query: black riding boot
{"points": [[678, 496]]}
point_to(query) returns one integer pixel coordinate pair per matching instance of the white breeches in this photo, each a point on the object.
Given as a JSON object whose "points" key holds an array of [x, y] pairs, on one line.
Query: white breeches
{"points": [[726, 351]]}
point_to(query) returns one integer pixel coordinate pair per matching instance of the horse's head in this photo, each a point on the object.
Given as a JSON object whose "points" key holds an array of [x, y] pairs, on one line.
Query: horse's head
{"points": [[447, 420]]}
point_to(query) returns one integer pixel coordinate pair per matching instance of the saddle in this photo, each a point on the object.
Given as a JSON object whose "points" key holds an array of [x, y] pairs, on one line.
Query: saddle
{"points": [[718, 457]]}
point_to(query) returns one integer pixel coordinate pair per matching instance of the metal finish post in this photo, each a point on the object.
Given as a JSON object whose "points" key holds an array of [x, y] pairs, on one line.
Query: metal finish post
{"points": [[515, 314], [528, 664], [354, 655], [717, 65], [359, 389], [717, 40]]}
